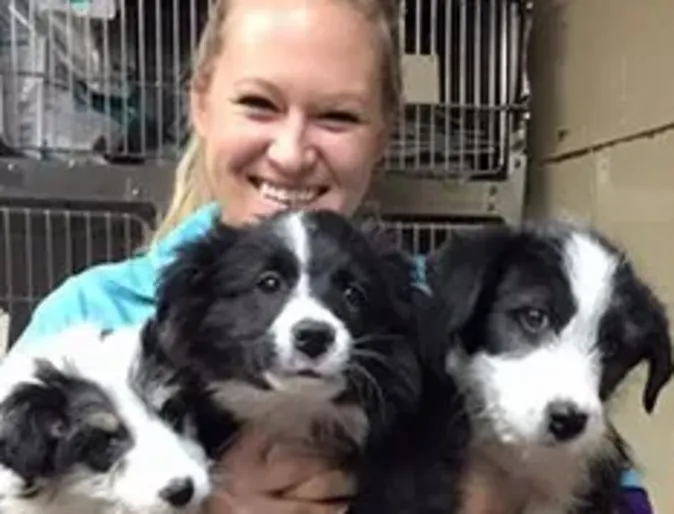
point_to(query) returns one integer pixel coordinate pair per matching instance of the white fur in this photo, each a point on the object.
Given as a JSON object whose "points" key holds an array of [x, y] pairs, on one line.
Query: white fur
{"points": [[517, 388], [296, 401], [158, 455], [304, 305]]}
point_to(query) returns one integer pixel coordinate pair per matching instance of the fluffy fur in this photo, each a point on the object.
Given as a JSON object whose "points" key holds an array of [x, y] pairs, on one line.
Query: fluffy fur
{"points": [[537, 326], [76, 439], [301, 324]]}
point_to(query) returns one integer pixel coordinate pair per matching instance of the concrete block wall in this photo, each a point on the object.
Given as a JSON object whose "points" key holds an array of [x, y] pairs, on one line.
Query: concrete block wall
{"points": [[602, 140]]}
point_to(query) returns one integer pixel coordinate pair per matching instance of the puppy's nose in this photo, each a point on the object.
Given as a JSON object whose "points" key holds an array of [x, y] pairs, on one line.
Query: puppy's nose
{"points": [[313, 338], [565, 420], [178, 492]]}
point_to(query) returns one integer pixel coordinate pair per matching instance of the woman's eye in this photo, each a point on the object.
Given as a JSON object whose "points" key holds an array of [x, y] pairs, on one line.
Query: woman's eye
{"points": [[269, 282], [256, 102], [341, 117]]}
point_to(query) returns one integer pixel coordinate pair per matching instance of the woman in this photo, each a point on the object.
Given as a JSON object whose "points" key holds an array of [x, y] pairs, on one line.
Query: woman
{"points": [[292, 102]]}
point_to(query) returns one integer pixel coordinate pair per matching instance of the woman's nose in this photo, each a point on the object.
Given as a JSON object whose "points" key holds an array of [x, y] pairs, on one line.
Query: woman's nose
{"points": [[290, 151]]}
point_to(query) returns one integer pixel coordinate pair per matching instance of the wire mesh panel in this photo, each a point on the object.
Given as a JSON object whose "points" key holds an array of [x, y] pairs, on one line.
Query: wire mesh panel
{"points": [[106, 80], [421, 237], [99, 80], [43, 243], [478, 81]]}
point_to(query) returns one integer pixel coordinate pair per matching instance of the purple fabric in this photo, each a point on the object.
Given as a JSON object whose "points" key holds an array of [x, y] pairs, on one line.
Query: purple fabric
{"points": [[635, 501]]}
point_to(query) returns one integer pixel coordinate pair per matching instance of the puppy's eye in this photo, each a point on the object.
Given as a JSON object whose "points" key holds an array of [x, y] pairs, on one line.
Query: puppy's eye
{"points": [[102, 438], [533, 320], [100, 448], [354, 296], [269, 282], [173, 412]]}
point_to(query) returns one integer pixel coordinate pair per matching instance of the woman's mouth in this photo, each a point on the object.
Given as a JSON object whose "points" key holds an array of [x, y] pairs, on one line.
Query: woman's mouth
{"points": [[288, 196]]}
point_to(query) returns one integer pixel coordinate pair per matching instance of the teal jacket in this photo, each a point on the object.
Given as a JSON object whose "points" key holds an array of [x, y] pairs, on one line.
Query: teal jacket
{"points": [[123, 293]]}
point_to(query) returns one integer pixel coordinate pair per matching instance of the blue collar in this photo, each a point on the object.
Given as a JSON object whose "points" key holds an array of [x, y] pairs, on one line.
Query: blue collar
{"points": [[419, 280]]}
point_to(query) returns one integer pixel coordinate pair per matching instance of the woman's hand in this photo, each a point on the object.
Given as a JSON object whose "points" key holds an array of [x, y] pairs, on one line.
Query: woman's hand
{"points": [[260, 476], [487, 492]]}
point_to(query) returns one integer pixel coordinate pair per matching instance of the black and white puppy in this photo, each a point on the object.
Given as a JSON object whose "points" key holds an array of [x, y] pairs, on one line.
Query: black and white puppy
{"points": [[538, 326], [76, 439], [300, 324]]}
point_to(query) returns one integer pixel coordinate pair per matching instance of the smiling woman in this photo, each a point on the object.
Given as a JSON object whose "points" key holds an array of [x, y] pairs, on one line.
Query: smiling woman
{"points": [[292, 104]]}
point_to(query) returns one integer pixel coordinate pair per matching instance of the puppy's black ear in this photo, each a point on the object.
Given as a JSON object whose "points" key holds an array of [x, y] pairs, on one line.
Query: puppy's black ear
{"points": [[458, 270], [387, 248], [33, 421], [192, 267], [660, 367], [185, 286], [397, 264], [648, 329], [379, 236], [637, 328]]}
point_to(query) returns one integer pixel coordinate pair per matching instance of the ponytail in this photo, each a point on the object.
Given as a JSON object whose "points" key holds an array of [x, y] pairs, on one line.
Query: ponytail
{"points": [[189, 191]]}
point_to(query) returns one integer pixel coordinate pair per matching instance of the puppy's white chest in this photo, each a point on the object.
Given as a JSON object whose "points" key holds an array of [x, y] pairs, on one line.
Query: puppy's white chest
{"points": [[519, 493]]}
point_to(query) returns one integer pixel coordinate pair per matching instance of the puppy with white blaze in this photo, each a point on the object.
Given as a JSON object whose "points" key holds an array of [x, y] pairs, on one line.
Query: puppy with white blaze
{"points": [[537, 326], [76, 439], [301, 325]]}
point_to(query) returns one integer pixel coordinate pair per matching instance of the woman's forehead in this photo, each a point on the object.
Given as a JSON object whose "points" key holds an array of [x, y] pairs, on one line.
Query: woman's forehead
{"points": [[325, 41]]}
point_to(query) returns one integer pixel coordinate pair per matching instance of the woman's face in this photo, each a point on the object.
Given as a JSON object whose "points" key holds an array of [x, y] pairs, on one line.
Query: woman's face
{"points": [[292, 114]]}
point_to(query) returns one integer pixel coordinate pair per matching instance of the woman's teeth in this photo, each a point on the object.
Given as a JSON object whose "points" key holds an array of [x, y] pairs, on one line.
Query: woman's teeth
{"points": [[289, 196]]}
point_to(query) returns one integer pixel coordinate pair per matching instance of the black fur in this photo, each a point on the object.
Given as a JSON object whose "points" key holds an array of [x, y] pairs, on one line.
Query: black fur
{"points": [[59, 421], [420, 467], [179, 396], [478, 266], [212, 324], [74, 437], [214, 313], [485, 282]]}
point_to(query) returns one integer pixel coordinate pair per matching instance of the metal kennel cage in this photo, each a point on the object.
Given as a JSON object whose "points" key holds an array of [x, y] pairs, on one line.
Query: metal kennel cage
{"points": [[45, 242], [93, 115], [460, 147]]}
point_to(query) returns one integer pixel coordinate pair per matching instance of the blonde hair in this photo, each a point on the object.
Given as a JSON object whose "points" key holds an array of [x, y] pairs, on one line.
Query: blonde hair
{"points": [[190, 190]]}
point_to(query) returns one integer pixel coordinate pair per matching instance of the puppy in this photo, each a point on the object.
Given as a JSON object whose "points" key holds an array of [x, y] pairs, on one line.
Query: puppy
{"points": [[75, 438], [537, 326], [302, 325]]}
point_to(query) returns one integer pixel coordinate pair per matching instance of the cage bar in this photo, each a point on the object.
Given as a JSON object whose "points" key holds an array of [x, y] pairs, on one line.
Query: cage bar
{"points": [[102, 85], [107, 82], [44, 243]]}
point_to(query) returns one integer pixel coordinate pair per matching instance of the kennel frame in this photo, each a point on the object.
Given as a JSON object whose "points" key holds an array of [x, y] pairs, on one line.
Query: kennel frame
{"points": [[420, 205], [479, 84]]}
